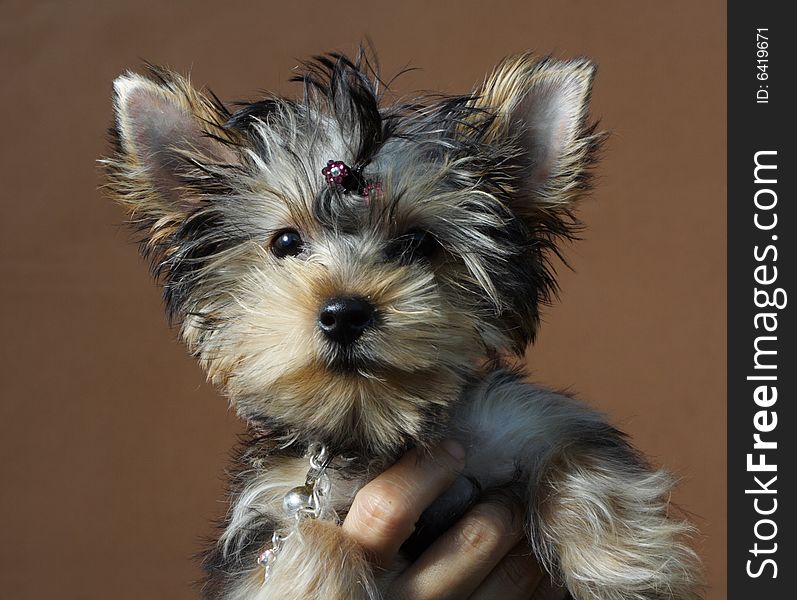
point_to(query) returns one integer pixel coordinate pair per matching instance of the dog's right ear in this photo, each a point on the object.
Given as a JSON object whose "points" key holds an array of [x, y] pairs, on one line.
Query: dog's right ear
{"points": [[167, 136], [543, 105]]}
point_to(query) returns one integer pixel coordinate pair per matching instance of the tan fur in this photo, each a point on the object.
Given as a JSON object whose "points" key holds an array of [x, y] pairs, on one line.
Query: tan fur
{"points": [[614, 540], [262, 495], [511, 83], [131, 179], [272, 344], [318, 562]]}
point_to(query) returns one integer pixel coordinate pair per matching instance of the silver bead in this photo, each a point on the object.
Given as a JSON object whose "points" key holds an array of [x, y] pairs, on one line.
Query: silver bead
{"points": [[267, 557], [299, 498]]}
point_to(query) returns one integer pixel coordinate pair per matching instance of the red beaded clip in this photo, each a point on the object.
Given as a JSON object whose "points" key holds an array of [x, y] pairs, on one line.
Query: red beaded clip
{"points": [[337, 172]]}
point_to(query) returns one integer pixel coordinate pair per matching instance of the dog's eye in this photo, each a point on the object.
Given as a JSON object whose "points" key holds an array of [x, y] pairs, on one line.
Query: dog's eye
{"points": [[287, 243], [413, 245]]}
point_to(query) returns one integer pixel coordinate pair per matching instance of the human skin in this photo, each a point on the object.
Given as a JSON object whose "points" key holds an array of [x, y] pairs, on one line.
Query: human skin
{"points": [[482, 556]]}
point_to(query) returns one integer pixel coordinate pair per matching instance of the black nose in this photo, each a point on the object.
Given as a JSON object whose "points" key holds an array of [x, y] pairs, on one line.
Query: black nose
{"points": [[345, 319]]}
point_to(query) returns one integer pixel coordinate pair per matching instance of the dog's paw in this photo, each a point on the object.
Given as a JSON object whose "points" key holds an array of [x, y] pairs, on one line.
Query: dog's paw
{"points": [[610, 535], [318, 562]]}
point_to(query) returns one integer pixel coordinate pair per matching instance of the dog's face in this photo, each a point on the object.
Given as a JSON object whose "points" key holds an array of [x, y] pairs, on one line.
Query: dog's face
{"points": [[349, 301]]}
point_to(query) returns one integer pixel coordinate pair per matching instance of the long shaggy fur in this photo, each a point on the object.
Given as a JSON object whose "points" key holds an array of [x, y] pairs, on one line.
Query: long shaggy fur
{"points": [[609, 527], [489, 182]]}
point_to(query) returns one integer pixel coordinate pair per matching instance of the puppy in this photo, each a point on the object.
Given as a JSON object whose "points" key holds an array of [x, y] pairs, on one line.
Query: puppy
{"points": [[350, 270]]}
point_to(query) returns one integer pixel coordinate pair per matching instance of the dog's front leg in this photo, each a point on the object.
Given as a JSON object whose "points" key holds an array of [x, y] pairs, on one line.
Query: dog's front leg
{"points": [[317, 562], [313, 558], [598, 515]]}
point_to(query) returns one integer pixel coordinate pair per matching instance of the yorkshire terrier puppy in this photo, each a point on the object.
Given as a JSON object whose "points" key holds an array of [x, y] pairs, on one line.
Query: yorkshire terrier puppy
{"points": [[350, 271]]}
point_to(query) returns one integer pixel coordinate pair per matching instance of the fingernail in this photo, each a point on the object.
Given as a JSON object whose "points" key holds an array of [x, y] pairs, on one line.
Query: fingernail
{"points": [[455, 449]]}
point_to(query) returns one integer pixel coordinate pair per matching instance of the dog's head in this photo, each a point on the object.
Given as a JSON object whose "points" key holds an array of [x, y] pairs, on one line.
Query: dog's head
{"points": [[338, 263]]}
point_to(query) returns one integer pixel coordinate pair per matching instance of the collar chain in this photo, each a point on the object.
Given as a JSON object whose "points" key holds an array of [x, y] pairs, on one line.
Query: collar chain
{"points": [[308, 501]]}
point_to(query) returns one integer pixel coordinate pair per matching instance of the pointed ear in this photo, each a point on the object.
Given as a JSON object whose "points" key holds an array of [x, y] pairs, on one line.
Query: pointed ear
{"points": [[166, 132], [541, 106]]}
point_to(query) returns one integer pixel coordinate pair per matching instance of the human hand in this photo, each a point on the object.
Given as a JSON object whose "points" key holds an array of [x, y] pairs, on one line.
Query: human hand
{"points": [[482, 556]]}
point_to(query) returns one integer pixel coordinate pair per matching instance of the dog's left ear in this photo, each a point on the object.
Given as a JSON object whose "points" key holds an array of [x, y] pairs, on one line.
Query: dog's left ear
{"points": [[542, 106]]}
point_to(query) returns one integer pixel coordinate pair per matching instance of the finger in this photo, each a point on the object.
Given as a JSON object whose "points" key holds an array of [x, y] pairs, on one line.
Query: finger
{"points": [[455, 565], [385, 511], [516, 577]]}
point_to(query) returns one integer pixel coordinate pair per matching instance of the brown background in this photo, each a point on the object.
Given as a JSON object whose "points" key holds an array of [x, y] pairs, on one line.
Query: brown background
{"points": [[113, 448]]}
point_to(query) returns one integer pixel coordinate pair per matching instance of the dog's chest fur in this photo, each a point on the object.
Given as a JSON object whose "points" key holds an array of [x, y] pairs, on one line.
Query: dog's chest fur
{"points": [[507, 427]]}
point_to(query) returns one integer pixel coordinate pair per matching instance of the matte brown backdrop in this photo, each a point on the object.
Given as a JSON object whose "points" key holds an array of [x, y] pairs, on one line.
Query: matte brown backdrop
{"points": [[113, 447]]}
